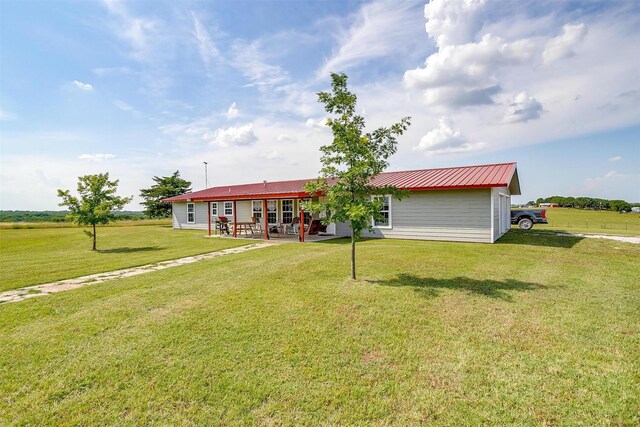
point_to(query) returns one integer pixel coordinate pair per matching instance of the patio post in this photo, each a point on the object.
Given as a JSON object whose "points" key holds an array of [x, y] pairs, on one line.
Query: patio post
{"points": [[235, 220], [301, 229], [209, 216], [266, 219]]}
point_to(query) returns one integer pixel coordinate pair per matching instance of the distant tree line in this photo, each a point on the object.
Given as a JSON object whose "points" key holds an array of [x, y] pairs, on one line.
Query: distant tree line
{"points": [[58, 216], [587, 203]]}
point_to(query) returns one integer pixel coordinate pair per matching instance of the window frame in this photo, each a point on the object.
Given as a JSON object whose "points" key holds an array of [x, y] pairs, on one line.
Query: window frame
{"points": [[389, 210], [193, 212], [214, 209], [292, 211], [224, 208], [254, 211], [270, 202]]}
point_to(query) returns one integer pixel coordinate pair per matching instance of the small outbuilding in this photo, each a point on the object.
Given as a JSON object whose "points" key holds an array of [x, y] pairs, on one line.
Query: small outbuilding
{"points": [[466, 204]]}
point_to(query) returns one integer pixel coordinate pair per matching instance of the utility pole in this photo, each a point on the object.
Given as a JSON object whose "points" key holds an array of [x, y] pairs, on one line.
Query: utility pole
{"points": [[206, 176]]}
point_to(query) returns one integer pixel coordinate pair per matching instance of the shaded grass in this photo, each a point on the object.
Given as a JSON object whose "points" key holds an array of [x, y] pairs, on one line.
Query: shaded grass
{"points": [[31, 257], [440, 333]]}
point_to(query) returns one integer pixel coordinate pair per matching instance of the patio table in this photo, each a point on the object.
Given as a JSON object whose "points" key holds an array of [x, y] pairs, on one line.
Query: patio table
{"points": [[244, 226]]}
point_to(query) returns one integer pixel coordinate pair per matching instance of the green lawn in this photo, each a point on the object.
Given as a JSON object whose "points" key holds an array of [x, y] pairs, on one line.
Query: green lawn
{"points": [[533, 330], [590, 221], [34, 256]]}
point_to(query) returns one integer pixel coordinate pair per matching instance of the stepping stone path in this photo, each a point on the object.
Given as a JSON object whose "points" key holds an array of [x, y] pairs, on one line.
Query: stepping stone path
{"points": [[16, 295]]}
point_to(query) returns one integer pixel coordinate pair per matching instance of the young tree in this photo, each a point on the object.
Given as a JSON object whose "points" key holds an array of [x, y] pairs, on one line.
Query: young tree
{"points": [[351, 162], [97, 202], [164, 187]]}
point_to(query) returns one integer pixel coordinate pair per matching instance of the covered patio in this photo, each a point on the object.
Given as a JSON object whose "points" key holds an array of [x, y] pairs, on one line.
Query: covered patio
{"points": [[264, 210]]}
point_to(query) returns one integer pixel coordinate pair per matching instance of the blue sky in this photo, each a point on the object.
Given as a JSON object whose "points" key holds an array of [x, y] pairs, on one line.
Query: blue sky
{"points": [[142, 88]]}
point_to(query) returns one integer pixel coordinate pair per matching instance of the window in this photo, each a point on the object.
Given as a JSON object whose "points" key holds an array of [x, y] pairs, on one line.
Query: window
{"points": [[385, 211], [256, 209], [287, 211], [228, 208], [214, 208], [272, 211], [191, 213]]}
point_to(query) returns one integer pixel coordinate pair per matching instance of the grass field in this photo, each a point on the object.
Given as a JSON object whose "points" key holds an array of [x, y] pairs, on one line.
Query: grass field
{"points": [[34, 256], [122, 223], [589, 221], [533, 330]]}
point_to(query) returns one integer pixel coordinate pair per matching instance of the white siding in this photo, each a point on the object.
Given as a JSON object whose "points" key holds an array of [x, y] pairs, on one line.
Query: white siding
{"points": [[243, 213], [496, 194], [179, 216], [450, 215]]}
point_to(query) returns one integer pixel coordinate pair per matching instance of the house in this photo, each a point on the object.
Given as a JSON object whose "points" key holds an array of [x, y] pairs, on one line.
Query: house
{"points": [[467, 204], [549, 205]]}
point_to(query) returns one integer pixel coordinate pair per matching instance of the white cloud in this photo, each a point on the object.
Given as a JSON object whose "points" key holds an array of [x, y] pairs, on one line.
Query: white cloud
{"points": [[125, 107], [270, 155], [522, 109], [562, 46], [445, 139], [466, 74], [209, 53], [98, 157], [232, 112], [283, 137], [83, 86], [453, 22], [238, 136], [316, 123], [615, 158], [250, 59], [142, 34], [378, 29]]}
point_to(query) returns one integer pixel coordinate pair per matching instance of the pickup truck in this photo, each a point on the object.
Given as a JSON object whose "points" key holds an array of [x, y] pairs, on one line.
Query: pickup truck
{"points": [[525, 218]]}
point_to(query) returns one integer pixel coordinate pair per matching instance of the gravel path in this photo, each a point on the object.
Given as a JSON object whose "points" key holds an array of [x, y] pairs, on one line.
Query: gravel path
{"points": [[20, 294], [626, 239]]}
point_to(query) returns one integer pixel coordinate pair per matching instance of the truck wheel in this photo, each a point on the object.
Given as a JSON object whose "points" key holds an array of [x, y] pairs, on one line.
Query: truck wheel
{"points": [[525, 224]]}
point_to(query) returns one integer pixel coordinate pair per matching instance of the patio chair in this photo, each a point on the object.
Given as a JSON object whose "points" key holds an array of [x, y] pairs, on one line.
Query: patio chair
{"points": [[294, 227]]}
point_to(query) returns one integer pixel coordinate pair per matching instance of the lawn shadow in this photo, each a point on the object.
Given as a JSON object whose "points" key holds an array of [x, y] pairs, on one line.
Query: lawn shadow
{"points": [[429, 287], [128, 250], [539, 238]]}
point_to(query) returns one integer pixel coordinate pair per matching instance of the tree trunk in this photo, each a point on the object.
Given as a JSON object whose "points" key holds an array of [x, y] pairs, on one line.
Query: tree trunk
{"points": [[353, 256], [94, 237]]}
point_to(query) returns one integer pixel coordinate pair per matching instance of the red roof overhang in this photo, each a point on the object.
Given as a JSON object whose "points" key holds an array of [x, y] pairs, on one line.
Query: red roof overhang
{"points": [[457, 178]]}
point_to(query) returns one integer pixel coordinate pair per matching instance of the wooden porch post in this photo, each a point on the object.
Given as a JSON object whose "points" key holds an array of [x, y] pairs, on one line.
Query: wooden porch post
{"points": [[235, 220], [301, 231], [209, 216], [266, 219]]}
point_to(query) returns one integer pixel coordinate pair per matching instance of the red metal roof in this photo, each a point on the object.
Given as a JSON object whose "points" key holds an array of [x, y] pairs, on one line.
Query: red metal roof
{"points": [[483, 176]]}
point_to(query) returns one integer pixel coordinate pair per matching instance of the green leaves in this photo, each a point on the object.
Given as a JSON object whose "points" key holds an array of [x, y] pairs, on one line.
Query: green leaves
{"points": [[164, 187], [352, 161], [97, 201]]}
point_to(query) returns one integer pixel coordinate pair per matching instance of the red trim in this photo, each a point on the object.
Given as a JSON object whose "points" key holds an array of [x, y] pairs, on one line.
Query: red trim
{"points": [[301, 229], [209, 216], [265, 214], [250, 197], [235, 220]]}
